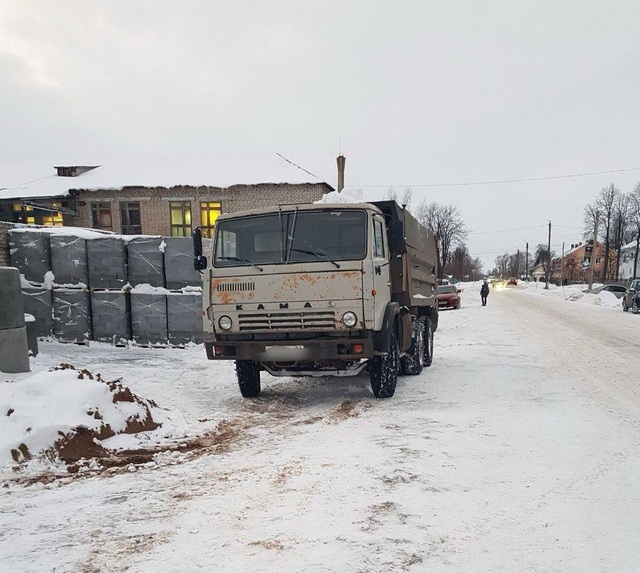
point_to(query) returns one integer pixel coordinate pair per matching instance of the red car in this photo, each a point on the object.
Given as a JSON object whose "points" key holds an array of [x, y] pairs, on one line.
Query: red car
{"points": [[448, 296]]}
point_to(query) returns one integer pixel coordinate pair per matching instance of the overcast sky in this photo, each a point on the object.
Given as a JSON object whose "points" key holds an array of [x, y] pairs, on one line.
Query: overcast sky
{"points": [[419, 92]]}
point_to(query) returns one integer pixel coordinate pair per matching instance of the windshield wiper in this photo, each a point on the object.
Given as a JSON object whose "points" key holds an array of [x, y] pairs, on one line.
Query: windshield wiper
{"points": [[241, 261], [318, 254]]}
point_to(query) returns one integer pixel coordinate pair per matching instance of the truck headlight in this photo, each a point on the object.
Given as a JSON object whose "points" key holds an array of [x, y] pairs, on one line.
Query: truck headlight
{"points": [[225, 322], [349, 319]]}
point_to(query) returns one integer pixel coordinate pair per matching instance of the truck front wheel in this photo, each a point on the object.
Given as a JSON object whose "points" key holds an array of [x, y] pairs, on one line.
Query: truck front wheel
{"points": [[383, 371], [248, 373]]}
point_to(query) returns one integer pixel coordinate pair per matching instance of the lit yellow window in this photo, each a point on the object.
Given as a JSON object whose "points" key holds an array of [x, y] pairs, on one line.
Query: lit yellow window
{"points": [[180, 218], [209, 212]]}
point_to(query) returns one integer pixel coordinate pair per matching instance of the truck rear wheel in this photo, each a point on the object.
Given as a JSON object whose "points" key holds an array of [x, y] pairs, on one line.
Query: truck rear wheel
{"points": [[383, 371], [413, 361], [248, 374], [428, 342]]}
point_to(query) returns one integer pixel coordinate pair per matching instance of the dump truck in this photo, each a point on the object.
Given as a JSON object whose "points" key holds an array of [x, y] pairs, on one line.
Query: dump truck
{"points": [[320, 290]]}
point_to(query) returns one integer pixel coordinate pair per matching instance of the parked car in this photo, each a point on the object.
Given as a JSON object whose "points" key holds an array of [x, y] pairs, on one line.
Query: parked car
{"points": [[617, 290], [448, 296], [631, 298]]}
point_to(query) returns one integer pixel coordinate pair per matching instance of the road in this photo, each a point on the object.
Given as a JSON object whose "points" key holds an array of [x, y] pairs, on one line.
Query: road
{"points": [[518, 450]]}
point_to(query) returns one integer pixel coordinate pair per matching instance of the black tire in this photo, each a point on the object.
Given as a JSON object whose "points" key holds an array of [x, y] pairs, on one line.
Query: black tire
{"points": [[412, 362], [634, 308], [383, 371], [428, 347], [248, 373]]}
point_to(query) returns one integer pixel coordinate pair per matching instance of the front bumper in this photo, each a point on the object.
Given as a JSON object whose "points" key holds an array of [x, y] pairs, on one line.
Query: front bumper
{"points": [[306, 350]]}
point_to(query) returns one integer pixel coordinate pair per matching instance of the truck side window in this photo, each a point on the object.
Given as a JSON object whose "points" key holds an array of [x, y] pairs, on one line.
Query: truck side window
{"points": [[378, 245]]}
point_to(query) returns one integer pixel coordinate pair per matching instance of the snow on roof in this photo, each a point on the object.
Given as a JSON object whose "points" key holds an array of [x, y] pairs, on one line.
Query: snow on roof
{"points": [[38, 178]]}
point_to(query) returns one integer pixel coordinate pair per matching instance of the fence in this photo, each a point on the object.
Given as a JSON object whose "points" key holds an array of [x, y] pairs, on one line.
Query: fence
{"points": [[82, 285]]}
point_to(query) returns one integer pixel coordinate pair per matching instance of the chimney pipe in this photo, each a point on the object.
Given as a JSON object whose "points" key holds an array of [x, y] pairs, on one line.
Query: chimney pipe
{"points": [[341, 160]]}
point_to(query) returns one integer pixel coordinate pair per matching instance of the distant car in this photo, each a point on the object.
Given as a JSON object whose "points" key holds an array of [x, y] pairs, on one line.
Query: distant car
{"points": [[631, 298], [617, 290], [512, 281], [448, 296]]}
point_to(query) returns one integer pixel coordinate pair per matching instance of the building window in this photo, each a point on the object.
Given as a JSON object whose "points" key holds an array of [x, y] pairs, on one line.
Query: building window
{"points": [[53, 219], [130, 217], [24, 214], [180, 215], [101, 216], [209, 212]]}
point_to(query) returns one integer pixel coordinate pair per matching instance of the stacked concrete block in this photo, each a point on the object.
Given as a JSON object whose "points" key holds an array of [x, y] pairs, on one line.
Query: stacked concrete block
{"points": [[149, 318], [38, 302], [111, 316], [69, 260], [107, 263], [71, 315], [145, 258], [14, 348], [30, 254], [178, 263], [184, 318]]}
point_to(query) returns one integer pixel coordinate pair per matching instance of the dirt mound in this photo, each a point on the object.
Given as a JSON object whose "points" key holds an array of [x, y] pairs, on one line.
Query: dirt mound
{"points": [[84, 442]]}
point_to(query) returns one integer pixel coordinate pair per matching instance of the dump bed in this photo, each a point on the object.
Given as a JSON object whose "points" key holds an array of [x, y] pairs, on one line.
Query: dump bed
{"points": [[414, 275]]}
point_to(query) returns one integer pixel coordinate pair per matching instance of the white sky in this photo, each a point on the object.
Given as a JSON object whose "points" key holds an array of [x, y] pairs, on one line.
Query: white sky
{"points": [[419, 92]]}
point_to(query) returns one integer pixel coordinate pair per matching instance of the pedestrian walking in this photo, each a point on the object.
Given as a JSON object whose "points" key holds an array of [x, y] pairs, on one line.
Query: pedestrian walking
{"points": [[484, 292]]}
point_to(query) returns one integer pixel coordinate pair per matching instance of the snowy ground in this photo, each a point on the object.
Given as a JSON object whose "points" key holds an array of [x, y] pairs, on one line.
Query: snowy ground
{"points": [[518, 450]]}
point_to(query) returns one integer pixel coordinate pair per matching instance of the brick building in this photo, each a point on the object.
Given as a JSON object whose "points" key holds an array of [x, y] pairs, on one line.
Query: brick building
{"points": [[150, 197], [574, 266]]}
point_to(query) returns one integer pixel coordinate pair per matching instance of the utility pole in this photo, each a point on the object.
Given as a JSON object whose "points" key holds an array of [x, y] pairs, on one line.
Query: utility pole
{"points": [[593, 250], [546, 286], [527, 262], [518, 265]]}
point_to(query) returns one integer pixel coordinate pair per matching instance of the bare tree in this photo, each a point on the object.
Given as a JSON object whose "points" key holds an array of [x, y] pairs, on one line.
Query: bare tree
{"points": [[391, 195], [605, 203], [543, 257], [407, 195], [445, 221], [620, 225], [502, 264], [462, 265]]}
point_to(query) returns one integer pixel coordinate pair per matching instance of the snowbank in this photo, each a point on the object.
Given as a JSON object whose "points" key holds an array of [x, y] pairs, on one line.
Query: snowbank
{"points": [[575, 293]]}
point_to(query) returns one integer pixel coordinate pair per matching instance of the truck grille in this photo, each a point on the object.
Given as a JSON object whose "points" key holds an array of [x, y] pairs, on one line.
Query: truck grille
{"points": [[313, 320]]}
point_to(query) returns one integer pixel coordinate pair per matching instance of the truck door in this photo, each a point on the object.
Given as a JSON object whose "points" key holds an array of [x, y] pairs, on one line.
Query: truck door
{"points": [[381, 271]]}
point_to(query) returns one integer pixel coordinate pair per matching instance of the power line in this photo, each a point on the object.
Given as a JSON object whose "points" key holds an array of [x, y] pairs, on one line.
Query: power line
{"points": [[502, 181], [296, 165]]}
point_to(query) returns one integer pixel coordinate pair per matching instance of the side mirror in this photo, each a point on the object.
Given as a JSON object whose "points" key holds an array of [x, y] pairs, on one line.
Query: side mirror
{"points": [[397, 246], [199, 261]]}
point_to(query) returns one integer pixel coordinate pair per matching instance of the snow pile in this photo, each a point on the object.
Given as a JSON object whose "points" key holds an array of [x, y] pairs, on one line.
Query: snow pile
{"points": [[79, 232], [604, 299], [66, 414], [576, 293], [345, 196]]}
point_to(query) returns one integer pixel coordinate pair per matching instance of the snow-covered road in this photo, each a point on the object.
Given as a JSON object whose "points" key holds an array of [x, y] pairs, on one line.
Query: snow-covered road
{"points": [[518, 450]]}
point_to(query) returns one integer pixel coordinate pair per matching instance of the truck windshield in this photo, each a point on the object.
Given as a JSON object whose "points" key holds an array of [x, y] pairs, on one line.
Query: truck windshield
{"points": [[291, 237]]}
